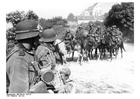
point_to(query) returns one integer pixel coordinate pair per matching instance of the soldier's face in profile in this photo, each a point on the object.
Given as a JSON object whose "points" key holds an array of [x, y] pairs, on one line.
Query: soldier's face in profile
{"points": [[64, 76], [36, 41]]}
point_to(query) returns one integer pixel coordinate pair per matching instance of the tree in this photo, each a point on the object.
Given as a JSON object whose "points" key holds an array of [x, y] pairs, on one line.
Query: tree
{"points": [[122, 15], [18, 16], [71, 17], [15, 17], [50, 23], [31, 15]]}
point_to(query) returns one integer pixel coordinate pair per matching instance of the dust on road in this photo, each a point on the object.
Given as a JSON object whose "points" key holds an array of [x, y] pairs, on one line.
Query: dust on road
{"points": [[105, 76]]}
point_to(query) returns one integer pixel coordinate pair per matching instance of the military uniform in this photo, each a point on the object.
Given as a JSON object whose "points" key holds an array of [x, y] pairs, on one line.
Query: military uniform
{"points": [[118, 35], [19, 77], [44, 53], [17, 69], [45, 57]]}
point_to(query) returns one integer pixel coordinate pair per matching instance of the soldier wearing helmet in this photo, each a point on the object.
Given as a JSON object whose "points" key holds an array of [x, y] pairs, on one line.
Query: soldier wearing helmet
{"points": [[98, 31], [44, 53], [118, 34], [65, 72], [69, 84], [113, 32], [18, 78], [45, 56]]}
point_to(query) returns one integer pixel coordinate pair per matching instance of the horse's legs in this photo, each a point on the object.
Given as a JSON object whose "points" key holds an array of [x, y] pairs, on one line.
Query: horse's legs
{"points": [[100, 52], [116, 50], [111, 50], [104, 53], [121, 52], [91, 53], [122, 48], [64, 59], [96, 53], [72, 54], [80, 57]]}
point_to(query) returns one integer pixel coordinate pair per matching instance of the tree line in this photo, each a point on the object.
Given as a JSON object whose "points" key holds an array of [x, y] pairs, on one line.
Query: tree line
{"points": [[121, 15]]}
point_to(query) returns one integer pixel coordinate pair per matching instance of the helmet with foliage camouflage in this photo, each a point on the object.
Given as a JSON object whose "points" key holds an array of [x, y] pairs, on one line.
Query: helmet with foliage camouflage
{"points": [[48, 35], [26, 29]]}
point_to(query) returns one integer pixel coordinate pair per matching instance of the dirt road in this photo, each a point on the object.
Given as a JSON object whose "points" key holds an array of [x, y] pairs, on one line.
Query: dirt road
{"points": [[105, 76]]}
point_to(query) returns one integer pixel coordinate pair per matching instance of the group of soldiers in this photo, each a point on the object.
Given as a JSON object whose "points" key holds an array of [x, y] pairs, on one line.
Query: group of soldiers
{"points": [[33, 52], [96, 37]]}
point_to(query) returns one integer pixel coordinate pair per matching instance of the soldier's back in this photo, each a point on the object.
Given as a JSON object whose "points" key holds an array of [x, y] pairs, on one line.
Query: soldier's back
{"points": [[16, 68], [45, 56]]}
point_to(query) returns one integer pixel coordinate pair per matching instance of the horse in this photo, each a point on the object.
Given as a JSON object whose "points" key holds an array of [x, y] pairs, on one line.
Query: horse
{"points": [[60, 48], [120, 45], [76, 46]]}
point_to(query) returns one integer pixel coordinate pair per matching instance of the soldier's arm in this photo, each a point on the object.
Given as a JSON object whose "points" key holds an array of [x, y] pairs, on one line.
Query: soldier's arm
{"points": [[19, 81]]}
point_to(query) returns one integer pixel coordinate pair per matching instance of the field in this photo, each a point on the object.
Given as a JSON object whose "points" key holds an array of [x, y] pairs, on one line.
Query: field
{"points": [[105, 76]]}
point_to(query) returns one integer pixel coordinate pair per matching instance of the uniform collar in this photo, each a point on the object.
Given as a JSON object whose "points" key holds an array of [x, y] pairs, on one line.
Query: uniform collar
{"points": [[20, 46]]}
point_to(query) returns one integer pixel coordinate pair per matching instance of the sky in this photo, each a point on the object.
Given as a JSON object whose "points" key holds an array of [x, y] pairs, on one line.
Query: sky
{"points": [[51, 8]]}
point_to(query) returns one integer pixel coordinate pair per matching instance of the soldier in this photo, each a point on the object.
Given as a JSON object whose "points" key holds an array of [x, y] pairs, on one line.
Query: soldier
{"points": [[118, 34], [90, 28], [98, 31], [44, 53], [114, 30], [69, 84], [18, 78], [68, 36]]}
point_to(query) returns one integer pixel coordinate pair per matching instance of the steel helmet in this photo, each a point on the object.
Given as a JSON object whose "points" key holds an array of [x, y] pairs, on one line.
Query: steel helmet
{"points": [[66, 71], [48, 35], [26, 29]]}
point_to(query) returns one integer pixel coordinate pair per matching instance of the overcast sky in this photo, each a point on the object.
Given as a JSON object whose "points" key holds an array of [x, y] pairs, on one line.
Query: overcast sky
{"points": [[51, 8]]}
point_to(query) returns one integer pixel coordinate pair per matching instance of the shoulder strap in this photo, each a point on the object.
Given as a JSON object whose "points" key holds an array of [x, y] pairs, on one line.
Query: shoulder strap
{"points": [[46, 47], [11, 53]]}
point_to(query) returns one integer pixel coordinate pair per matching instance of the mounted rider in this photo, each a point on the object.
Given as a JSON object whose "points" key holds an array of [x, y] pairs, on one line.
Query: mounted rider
{"points": [[114, 30], [98, 31]]}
